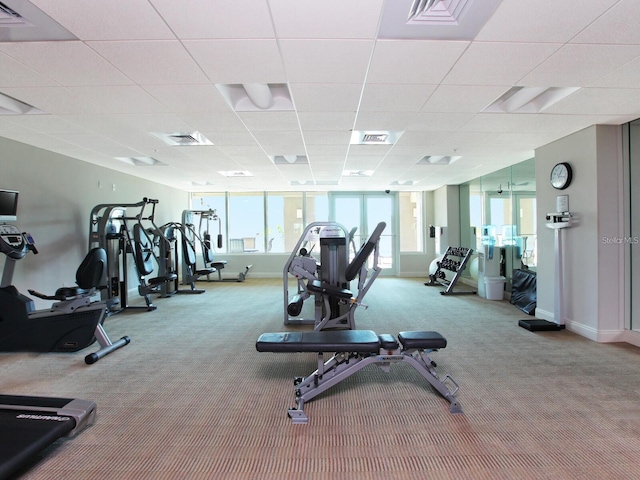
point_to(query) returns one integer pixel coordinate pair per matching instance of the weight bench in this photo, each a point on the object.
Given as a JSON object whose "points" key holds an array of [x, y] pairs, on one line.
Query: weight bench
{"points": [[355, 350]]}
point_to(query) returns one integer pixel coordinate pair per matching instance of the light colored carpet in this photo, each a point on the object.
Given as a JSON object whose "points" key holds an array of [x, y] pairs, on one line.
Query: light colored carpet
{"points": [[190, 398]]}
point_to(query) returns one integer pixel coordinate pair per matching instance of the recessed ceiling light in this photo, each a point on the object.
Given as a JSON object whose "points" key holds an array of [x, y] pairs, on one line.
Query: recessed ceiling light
{"points": [[438, 160], [257, 97], [357, 173], [199, 184], [13, 106], [303, 182], [529, 99], [403, 182], [141, 161], [290, 159]]}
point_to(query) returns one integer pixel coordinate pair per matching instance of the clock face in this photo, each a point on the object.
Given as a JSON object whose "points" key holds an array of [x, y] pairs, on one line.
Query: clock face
{"points": [[561, 176]]}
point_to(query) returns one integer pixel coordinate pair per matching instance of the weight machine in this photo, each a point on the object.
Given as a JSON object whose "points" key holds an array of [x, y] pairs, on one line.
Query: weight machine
{"points": [[121, 233], [334, 241], [192, 237]]}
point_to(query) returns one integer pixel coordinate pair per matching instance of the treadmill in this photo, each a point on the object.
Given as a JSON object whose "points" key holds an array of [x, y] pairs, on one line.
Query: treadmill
{"points": [[28, 425]]}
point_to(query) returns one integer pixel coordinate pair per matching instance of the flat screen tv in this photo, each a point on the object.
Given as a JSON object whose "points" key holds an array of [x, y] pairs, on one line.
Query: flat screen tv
{"points": [[8, 205]]}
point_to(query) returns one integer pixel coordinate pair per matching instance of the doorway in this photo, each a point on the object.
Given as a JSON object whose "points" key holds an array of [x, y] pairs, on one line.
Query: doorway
{"points": [[365, 211]]}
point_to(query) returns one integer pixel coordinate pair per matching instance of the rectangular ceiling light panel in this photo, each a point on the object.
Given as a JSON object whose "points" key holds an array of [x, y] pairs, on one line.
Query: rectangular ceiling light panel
{"points": [[529, 99]]}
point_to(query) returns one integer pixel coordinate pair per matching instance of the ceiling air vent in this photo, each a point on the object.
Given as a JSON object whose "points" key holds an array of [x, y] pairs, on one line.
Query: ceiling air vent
{"points": [[380, 137], [8, 16], [375, 138], [183, 139]]}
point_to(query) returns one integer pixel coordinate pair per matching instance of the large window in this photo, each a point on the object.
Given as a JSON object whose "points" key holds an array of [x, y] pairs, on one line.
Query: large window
{"points": [[246, 223], [285, 220]]}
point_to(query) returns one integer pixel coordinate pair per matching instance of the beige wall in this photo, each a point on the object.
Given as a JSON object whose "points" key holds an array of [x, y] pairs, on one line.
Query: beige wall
{"points": [[57, 194], [593, 270]]}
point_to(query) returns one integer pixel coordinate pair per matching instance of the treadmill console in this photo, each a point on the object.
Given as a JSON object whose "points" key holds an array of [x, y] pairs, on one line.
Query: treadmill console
{"points": [[12, 241]]}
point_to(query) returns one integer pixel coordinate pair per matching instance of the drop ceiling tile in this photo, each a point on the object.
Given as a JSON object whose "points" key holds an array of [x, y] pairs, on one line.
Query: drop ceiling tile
{"points": [[618, 25], [108, 20], [14, 74], [326, 97], [326, 138], [604, 101], [118, 99], [392, 121], [625, 76], [326, 19], [269, 121], [186, 99], [580, 65], [46, 124], [224, 138], [160, 62], [191, 19], [238, 61], [155, 122], [326, 61], [395, 97], [544, 21], [413, 61], [67, 63], [220, 122], [54, 100], [462, 98], [438, 122], [338, 122], [498, 63]]}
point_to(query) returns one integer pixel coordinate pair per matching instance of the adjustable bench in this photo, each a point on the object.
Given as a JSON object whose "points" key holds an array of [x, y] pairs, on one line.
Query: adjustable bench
{"points": [[355, 350]]}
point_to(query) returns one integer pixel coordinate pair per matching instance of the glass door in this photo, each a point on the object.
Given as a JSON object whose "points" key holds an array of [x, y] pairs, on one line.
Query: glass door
{"points": [[365, 211]]}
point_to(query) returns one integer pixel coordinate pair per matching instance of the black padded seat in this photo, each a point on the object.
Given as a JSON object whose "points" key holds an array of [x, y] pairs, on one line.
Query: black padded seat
{"points": [[317, 286], [422, 340], [388, 341], [357, 341], [160, 280]]}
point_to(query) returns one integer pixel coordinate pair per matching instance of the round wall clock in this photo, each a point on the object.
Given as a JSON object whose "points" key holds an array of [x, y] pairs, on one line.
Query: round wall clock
{"points": [[561, 175]]}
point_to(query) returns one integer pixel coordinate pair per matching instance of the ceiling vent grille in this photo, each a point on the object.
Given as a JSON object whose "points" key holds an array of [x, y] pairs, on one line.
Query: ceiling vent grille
{"points": [[9, 17], [374, 137], [183, 139], [436, 12]]}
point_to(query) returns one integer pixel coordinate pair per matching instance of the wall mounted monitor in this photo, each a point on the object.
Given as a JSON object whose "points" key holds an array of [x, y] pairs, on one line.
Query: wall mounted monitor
{"points": [[8, 205]]}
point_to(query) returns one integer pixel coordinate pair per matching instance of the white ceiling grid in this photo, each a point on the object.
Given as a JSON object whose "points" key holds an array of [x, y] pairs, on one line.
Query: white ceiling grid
{"points": [[139, 67]]}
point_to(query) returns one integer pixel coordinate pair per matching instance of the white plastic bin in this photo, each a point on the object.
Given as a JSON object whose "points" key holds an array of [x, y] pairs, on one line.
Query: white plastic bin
{"points": [[494, 287]]}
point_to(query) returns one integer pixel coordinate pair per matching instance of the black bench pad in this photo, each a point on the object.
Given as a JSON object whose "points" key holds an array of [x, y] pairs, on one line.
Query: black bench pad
{"points": [[421, 339], [318, 286], [360, 341]]}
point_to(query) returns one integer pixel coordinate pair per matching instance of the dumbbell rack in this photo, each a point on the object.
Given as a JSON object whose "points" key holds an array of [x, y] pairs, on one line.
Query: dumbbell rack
{"points": [[457, 265]]}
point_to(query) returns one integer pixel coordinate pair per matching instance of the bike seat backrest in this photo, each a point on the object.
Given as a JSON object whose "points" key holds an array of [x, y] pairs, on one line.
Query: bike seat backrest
{"points": [[89, 272]]}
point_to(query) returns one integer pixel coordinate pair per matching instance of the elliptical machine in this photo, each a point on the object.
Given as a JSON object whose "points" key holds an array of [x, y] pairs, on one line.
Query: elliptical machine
{"points": [[72, 323]]}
